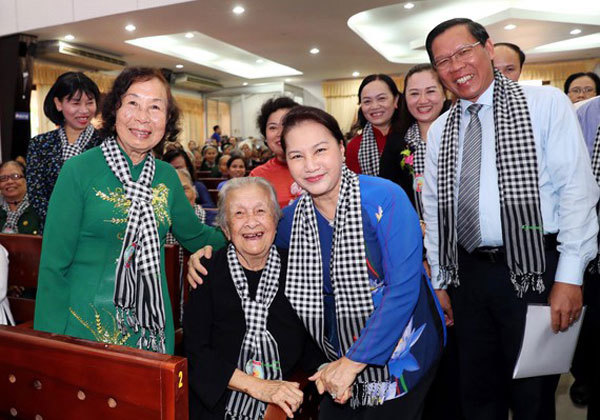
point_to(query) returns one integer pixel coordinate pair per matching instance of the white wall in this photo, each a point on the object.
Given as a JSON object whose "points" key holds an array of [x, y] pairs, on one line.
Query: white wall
{"points": [[25, 15]]}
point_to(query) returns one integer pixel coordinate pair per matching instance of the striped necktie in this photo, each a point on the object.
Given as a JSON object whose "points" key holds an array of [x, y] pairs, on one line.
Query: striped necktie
{"points": [[469, 235]]}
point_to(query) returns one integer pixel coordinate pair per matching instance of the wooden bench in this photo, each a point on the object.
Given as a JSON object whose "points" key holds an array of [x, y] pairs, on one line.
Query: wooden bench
{"points": [[211, 183], [214, 195], [49, 376]]}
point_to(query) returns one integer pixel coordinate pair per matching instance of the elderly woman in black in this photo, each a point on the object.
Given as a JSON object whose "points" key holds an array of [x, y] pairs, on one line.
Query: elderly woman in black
{"points": [[242, 336]]}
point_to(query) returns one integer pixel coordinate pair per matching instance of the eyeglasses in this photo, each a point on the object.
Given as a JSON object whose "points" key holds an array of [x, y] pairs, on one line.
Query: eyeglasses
{"points": [[14, 177], [462, 54], [578, 90]]}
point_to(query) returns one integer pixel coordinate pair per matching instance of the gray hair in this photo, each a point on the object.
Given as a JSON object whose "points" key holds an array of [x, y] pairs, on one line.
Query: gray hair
{"points": [[186, 174], [238, 183]]}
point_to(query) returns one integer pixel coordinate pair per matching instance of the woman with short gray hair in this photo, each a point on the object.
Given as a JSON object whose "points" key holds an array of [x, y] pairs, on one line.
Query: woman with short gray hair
{"points": [[242, 336]]}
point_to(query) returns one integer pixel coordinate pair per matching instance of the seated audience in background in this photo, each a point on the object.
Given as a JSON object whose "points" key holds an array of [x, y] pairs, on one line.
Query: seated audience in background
{"points": [[197, 159], [236, 168], [192, 146], [6, 317], [276, 170], [581, 86], [216, 135], [16, 213], [180, 160], [242, 337], [223, 164], [509, 59], [244, 149], [101, 274], [422, 102], [227, 148], [378, 97], [233, 141], [209, 161], [71, 103]]}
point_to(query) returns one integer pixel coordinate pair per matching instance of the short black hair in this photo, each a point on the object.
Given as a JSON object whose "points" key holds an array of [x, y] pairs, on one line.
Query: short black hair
{"points": [[589, 74], [302, 114], [476, 29], [67, 86], [270, 106], [171, 155], [233, 158], [515, 48], [362, 120], [215, 127]]}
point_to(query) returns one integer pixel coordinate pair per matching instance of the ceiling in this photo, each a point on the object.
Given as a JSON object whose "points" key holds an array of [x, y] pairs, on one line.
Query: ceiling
{"points": [[283, 31]]}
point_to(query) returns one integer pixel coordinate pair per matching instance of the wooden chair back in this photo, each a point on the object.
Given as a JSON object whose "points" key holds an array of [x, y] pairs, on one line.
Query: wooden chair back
{"points": [[23, 263], [211, 183], [60, 377]]}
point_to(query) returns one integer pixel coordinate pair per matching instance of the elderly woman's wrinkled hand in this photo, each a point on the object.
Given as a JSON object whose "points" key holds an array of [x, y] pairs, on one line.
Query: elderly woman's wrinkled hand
{"points": [[195, 268], [337, 378], [286, 395]]}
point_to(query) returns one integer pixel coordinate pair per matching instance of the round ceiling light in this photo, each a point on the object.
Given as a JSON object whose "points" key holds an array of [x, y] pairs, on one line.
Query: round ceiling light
{"points": [[409, 5], [314, 51], [130, 28], [355, 74], [238, 10], [510, 27], [575, 32], [69, 37]]}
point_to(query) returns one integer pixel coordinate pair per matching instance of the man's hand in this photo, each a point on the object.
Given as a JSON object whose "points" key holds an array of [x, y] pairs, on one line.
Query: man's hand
{"points": [[444, 300], [194, 266], [565, 301]]}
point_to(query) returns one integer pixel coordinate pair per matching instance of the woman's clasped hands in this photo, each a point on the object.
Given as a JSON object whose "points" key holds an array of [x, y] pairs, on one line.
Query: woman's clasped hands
{"points": [[337, 378]]}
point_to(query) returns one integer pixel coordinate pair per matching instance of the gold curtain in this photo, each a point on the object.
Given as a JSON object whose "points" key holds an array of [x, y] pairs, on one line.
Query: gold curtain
{"points": [[225, 117], [557, 72], [192, 118], [341, 99]]}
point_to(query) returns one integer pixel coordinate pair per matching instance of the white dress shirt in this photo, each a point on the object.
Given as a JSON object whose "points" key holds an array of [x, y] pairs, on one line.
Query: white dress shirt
{"points": [[568, 189]]}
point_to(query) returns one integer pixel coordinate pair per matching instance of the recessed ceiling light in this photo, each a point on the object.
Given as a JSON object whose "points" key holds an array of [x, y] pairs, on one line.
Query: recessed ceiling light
{"points": [[315, 51], [130, 28], [189, 35], [355, 74], [575, 32], [510, 27], [238, 10], [409, 5], [245, 84], [179, 66], [69, 37], [288, 80], [260, 61]]}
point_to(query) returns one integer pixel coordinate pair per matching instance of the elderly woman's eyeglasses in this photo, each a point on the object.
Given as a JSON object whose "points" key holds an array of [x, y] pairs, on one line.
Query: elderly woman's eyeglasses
{"points": [[462, 54], [579, 90], [14, 177]]}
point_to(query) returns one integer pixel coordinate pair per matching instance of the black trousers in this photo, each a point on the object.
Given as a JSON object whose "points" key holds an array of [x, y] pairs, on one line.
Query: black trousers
{"points": [[489, 321], [408, 407]]}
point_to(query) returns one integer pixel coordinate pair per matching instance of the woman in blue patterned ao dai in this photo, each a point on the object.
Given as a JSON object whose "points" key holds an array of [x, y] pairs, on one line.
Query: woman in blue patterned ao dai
{"points": [[356, 279]]}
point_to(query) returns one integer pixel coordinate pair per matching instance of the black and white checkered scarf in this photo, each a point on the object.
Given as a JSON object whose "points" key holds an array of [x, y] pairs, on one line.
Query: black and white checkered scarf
{"points": [[259, 354], [349, 277], [69, 150], [418, 147], [368, 154], [138, 293], [522, 230], [12, 217]]}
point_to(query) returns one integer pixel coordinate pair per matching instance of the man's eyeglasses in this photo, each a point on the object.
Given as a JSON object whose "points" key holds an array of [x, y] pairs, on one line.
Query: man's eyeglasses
{"points": [[462, 54], [14, 177], [578, 91]]}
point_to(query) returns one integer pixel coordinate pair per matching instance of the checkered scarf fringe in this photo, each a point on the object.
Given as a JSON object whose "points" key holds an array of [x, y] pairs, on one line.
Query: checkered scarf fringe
{"points": [[349, 277], [259, 352], [12, 217], [368, 154], [516, 160], [70, 150], [419, 147], [138, 292], [596, 170]]}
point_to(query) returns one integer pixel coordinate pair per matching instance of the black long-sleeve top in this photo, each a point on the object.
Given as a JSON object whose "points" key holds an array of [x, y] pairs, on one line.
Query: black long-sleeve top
{"points": [[214, 329]]}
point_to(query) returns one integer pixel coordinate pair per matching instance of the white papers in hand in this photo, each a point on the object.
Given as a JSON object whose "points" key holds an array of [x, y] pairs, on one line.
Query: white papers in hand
{"points": [[542, 351]]}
